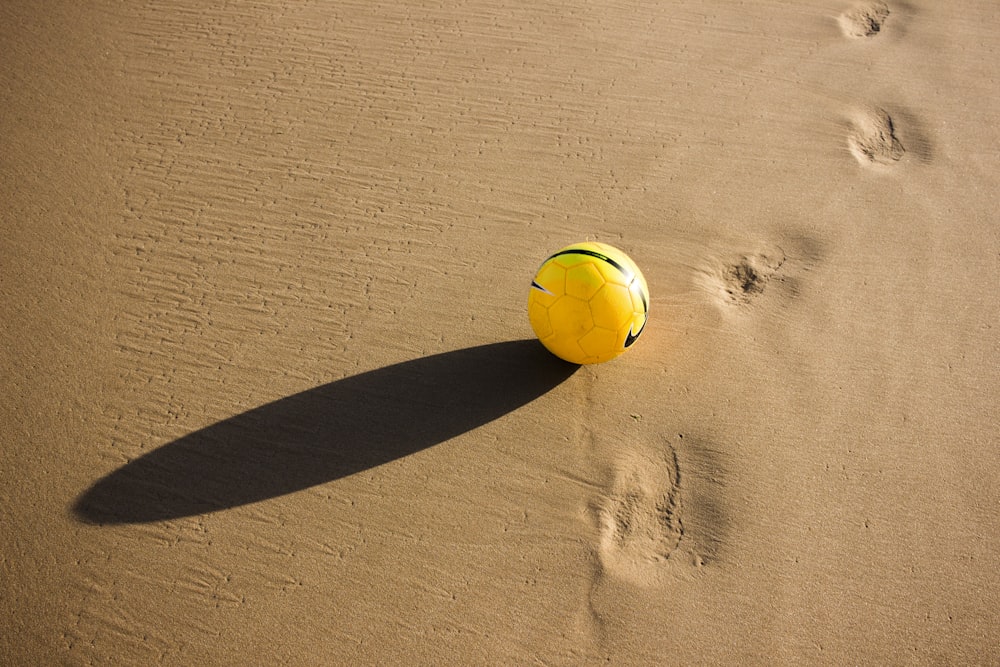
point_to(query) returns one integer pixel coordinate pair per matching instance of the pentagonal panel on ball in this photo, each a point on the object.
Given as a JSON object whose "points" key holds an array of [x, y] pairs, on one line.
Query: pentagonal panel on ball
{"points": [[583, 281], [570, 317], [601, 343], [611, 307]]}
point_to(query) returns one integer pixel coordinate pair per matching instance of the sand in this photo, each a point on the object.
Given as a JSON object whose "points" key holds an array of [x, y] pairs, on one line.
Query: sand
{"points": [[270, 395]]}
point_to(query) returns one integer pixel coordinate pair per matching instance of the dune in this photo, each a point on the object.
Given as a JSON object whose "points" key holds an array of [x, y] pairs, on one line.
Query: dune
{"points": [[270, 391]]}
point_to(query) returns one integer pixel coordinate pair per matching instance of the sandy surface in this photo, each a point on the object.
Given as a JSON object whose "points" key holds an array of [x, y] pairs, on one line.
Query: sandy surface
{"points": [[267, 393]]}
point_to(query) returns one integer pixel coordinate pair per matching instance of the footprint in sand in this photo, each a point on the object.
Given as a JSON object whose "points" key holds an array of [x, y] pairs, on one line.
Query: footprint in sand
{"points": [[865, 20], [640, 521], [643, 520], [772, 274], [872, 138], [748, 276], [741, 280]]}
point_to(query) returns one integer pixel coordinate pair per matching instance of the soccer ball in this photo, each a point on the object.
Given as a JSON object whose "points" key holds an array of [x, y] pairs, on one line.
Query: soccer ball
{"points": [[588, 303]]}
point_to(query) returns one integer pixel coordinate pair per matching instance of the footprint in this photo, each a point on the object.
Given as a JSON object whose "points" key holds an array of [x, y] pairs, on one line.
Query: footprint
{"points": [[643, 519], [739, 281], [866, 20], [640, 522], [872, 138], [748, 276], [774, 273]]}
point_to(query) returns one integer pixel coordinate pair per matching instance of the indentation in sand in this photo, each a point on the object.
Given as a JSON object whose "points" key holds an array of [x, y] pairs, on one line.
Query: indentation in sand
{"points": [[872, 138], [640, 521], [864, 20], [747, 277], [738, 281], [658, 519]]}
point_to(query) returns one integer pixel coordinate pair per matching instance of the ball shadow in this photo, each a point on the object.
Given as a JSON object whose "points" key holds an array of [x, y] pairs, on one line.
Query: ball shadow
{"points": [[325, 433]]}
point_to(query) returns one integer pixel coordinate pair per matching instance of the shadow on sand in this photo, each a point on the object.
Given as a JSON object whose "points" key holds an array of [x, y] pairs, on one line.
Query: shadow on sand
{"points": [[325, 433]]}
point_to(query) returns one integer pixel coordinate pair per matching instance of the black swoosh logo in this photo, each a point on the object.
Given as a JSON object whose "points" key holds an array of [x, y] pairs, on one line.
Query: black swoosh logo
{"points": [[632, 337]]}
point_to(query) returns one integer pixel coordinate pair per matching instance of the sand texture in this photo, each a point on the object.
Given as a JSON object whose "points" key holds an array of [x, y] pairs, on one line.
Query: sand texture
{"points": [[270, 394]]}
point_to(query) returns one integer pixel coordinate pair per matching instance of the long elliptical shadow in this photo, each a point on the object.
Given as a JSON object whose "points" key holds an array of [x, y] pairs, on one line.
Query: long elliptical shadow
{"points": [[325, 433]]}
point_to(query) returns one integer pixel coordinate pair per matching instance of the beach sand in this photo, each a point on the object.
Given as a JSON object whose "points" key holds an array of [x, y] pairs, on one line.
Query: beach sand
{"points": [[270, 394]]}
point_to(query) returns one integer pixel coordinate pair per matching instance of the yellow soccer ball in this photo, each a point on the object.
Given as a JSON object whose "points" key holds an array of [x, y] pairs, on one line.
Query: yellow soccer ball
{"points": [[588, 303]]}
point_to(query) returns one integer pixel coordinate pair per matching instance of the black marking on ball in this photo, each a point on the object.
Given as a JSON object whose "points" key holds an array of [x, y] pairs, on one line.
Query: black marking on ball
{"points": [[535, 285], [594, 253], [632, 337]]}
